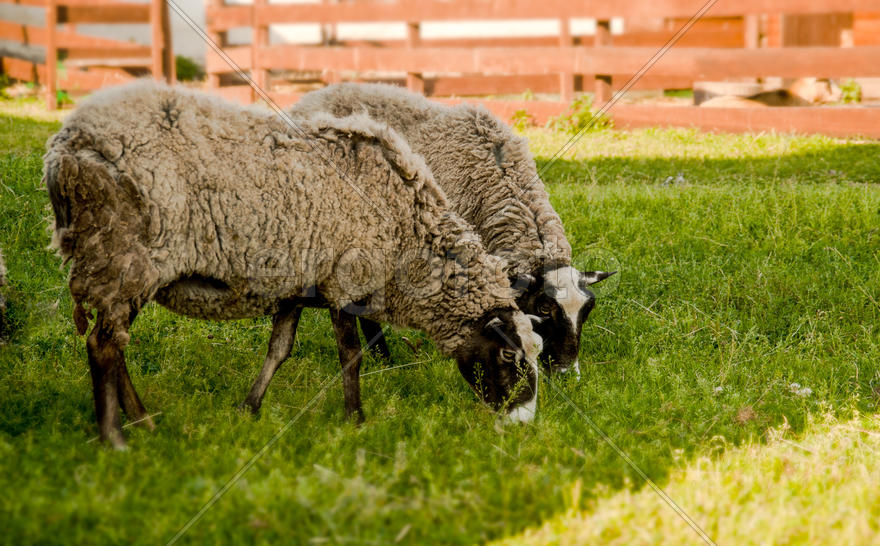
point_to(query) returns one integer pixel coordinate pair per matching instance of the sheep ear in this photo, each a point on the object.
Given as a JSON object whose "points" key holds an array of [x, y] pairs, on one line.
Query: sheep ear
{"points": [[521, 284], [592, 277], [536, 320], [493, 324]]}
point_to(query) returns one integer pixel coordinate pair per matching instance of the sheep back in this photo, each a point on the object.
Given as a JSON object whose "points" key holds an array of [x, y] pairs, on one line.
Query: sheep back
{"points": [[486, 171]]}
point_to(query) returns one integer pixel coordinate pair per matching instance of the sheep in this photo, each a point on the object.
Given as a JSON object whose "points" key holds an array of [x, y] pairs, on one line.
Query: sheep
{"points": [[218, 211], [490, 179]]}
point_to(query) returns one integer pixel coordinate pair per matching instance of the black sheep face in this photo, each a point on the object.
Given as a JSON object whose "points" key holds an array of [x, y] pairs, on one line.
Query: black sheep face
{"points": [[562, 300], [499, 362]]}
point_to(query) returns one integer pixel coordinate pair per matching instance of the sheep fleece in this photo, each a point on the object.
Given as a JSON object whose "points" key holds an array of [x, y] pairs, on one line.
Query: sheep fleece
{"points": [[162, 184], [486, 170]]}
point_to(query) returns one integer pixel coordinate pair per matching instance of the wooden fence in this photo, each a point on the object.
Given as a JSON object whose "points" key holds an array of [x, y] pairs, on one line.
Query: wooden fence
{"points": [[57, 56], [727, 44]]}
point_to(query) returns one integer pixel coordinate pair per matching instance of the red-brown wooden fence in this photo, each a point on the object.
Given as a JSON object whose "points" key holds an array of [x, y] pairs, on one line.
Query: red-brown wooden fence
{"points": [[58, 57], [725, 45]]}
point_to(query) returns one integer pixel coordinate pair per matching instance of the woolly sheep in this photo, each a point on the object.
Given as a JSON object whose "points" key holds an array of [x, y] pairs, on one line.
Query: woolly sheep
{"points": [[490, 179], [171, 195]]}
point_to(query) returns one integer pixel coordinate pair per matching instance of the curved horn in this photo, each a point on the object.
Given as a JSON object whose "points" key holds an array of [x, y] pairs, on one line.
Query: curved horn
{"points": [[592, 277], [492, 324]]}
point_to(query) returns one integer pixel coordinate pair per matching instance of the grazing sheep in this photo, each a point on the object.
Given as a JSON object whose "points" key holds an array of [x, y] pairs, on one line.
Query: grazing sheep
{"points": [[490, 179], [171, 195]]}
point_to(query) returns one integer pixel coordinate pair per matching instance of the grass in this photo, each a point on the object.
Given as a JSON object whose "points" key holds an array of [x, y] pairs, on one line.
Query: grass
{"points": [[818, 490], [748, 263]]}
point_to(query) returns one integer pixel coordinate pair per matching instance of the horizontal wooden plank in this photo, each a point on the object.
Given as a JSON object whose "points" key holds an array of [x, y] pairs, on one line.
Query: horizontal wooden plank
{"points": [[240, 55], [92, 79], [242, 94], [32, 54], [836, 121], [515, 85], [77, 53], [68, 80], [541, 111], [33, 35], [72, 3], [694, 38], [219, 18], [444, 10], [832, 121], [119, 12], [36, 3], [697, 63], [109, 61], [22, 70]]}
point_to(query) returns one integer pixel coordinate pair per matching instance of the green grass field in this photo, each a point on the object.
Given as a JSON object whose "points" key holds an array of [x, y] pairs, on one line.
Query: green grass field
{"points": [[747, 264]]}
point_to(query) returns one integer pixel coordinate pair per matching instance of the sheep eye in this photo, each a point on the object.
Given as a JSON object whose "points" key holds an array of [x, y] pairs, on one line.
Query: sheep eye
{"points": [[545, 309], [508, 355]]}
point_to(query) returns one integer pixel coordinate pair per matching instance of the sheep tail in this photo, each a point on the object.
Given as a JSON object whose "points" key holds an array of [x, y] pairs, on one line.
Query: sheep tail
{"points": [[60, 169]]}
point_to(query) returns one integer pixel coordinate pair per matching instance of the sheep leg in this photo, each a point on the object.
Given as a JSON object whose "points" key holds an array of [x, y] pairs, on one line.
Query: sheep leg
{"points": [[284, 324], [130, 401], [350, 354], [105, 360], [128, 396], [375, 337]]}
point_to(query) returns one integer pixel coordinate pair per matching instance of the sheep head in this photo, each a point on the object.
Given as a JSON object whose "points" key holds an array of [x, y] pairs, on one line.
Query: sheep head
{"points": [[499, 362], [561, 298]]}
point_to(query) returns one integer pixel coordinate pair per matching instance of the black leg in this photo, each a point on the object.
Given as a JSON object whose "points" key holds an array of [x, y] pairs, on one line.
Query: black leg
{"points": [[105, 361], [375, 337], [128, 396], [350, 354], [284, 325]]}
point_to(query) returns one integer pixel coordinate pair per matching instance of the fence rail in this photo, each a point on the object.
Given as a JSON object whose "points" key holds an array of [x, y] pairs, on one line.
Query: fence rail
{"points": [[731, 42], [56, 55]]}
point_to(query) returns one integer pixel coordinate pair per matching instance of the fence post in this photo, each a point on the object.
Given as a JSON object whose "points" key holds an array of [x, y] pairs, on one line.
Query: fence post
{"points": [[414, 80], [51, 54], [566, 78], [328, 37], [260, 40], [218, 38], [603, 81], [158, 39], [752, 30], [170, 71]]}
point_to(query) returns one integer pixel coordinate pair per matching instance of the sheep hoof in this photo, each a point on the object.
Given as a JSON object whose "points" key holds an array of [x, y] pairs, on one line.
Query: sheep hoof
{"points": [[249, 406], [116, 441], [356, 416]]}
